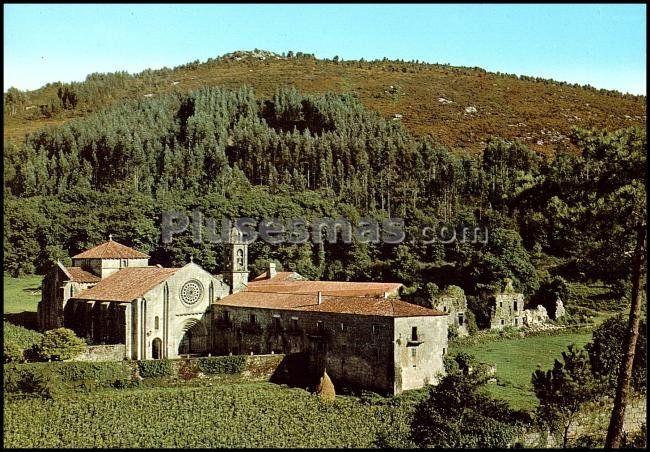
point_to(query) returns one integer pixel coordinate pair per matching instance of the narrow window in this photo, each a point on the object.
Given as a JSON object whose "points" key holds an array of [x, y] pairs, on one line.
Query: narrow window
{"points": [[375, 329], [226, 316], [294, 324], [319, 325], [503, 322], [516, 322], [444, 351], [276, 322], [253, 318], [342, 328], [156, 323], [461, 318], [501, 304], [414, 352], [71, 290], [414, 333], [515, 305]]}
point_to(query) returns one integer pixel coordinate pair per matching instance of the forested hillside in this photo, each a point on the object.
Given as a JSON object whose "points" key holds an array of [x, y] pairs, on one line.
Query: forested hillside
{"points": [[239, 153], [458, 106]]}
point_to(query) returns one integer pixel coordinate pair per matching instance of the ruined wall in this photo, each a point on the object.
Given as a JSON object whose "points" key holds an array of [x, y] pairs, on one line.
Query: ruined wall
{"points": [[96, 353], [452, 301], [507, 310]]}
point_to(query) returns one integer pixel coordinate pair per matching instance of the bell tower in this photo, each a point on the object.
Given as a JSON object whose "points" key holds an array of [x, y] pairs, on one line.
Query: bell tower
{"points": [[236, 274]]}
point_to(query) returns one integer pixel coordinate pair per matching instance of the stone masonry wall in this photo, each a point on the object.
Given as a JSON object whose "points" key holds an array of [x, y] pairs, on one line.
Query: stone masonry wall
{"points": [[115, 352]]}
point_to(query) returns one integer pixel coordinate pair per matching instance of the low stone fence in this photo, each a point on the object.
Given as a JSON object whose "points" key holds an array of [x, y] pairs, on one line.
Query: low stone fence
{"points": [[96, 353]]}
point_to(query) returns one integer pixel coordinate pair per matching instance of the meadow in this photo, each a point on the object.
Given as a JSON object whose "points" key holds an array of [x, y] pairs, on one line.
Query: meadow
{"points": [[21, 294], [516, 360]]}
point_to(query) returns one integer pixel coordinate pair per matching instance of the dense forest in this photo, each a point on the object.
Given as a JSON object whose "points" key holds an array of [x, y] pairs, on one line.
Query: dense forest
{"points": [[233, 153]]}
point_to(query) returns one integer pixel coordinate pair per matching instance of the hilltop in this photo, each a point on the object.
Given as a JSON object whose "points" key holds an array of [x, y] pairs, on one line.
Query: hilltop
{"points": [[459, 107]]}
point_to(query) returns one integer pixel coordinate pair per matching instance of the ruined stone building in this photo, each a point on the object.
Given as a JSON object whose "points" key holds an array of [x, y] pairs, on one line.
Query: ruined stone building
{"points": [[507, 308], [452, 301], [361, 333]]}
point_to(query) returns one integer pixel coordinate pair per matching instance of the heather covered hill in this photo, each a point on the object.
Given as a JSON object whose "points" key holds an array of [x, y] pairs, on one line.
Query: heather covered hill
{"points": [[459, 107]]}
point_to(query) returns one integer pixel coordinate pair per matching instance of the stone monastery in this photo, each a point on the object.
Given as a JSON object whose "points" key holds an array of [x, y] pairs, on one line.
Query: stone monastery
{"points": [[361, 333]]}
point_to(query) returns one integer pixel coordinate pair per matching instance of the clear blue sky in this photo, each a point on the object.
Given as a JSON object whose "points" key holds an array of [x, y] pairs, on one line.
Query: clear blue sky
{"points": [[603, 45]]}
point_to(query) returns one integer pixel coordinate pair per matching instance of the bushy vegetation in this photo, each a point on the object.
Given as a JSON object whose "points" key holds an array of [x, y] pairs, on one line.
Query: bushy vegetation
{"points": [[222, 364], [59, 344], [155, 368]]}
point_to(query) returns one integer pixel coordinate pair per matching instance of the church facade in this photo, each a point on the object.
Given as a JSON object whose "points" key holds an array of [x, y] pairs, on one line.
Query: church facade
{"points": [[360, 333]]}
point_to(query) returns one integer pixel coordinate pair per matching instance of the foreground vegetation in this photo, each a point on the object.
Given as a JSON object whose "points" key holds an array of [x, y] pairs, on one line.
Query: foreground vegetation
{"points": [[234, 415]]}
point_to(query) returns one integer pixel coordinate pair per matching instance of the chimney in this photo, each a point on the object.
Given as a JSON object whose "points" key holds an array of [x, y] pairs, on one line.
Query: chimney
{"points": [[271, 271], [320, 297]]}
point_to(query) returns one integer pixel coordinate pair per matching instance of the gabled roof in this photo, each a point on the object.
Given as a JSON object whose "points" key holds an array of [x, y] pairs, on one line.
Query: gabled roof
{"points": [[111, 250], [279, 276], [341, 305], [80, 275], [127, 284]]}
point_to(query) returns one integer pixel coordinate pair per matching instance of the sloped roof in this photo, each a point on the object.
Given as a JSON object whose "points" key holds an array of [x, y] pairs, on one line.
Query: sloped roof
{"points": [[111, 250], [285, 282], [78, 274], [334, 304], [127, 284]]}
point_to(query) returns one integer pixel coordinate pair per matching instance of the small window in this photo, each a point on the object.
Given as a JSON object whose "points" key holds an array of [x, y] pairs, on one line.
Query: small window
{"points": [[253, 318], [125, 263], [444, 351], [319, 325], [461, 319], [375, 329], [516, 322], [414, 333], [294, 324], [503, 322], [515, 305], [156, 323], [414, 352], [342, 327], [501, 304], [276, 323]]}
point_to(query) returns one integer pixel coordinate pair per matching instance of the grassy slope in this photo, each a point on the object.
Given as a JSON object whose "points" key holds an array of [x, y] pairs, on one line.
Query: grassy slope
{"points": [[507, 107], [517, 359], [21, 294]]}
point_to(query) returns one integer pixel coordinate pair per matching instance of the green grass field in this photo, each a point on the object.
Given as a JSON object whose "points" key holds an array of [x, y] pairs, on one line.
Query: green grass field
{"points": [[21, 294], [516, 360]]}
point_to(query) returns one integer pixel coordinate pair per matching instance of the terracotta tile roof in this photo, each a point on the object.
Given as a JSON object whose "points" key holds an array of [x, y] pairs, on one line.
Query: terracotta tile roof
{"points": [[279, 276], [127, 284], [78, 274], [341, 305], [111, 250], [340, 288]]}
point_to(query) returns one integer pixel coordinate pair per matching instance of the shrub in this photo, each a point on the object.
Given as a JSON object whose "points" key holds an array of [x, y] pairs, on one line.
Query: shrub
{"points": [[223, 364], [60, 344], [155, 368], [452, 332], [188, 369], [20, 336], [606, 352]]}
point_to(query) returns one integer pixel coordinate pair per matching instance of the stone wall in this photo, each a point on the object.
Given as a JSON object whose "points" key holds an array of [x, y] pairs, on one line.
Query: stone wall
{"points": [[507, 308], [452, 301], [115, 352], [355, 350]]}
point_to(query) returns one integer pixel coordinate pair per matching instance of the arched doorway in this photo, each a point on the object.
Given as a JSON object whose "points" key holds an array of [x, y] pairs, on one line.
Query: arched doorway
{"points": [[156, 349], [194, 339]]}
